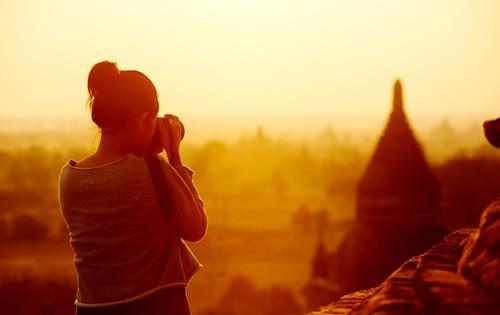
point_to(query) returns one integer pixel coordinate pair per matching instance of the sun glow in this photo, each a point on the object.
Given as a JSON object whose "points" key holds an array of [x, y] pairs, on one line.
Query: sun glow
{"points": [[242, 63]]}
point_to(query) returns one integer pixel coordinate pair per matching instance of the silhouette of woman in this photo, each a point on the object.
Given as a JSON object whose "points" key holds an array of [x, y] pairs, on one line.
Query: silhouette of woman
{"points": [[130, 253]]}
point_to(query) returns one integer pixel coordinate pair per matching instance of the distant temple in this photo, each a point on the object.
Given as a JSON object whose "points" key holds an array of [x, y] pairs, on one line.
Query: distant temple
{"points": [[398, 186], [397, 214]]}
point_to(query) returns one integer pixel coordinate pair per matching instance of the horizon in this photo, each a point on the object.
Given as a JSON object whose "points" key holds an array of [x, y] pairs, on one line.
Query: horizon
{"points": [[231, 131]]}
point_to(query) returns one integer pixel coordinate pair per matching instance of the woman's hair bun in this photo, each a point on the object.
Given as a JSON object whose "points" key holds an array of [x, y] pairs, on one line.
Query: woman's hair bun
{"points": [[119, 96], [103, 77]]}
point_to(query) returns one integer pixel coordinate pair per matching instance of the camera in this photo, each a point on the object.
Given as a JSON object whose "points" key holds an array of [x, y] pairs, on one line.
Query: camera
{"points": [[156, 145]]}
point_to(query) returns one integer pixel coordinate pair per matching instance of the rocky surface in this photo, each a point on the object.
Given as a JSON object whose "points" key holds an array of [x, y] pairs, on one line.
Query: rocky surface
{"points": [[425, 284], [480, 261]]}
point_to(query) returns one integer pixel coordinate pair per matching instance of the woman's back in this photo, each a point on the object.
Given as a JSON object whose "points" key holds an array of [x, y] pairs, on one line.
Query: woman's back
{"points": [[125, 247]]}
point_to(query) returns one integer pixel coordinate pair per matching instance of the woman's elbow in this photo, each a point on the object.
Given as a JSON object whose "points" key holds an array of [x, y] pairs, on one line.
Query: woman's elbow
{"points": [[196, 234]]}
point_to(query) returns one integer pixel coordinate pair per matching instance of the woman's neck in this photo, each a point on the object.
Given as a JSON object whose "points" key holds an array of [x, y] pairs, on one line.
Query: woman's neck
{"points": [[114, 145]]}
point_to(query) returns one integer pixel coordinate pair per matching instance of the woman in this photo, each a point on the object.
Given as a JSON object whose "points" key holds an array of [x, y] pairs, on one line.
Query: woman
{"points": [[130, 254]]}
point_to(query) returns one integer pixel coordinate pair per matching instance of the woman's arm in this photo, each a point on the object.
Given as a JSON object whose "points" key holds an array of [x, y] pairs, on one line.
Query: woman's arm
{"points": [[187, 174], [189, 214]]}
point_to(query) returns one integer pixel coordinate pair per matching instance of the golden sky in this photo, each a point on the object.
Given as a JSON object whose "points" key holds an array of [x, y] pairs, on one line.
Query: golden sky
{"points": [[282, 64]]}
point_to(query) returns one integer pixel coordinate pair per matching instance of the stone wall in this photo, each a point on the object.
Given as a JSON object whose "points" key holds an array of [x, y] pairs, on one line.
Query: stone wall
{"points": [[425, 284]]}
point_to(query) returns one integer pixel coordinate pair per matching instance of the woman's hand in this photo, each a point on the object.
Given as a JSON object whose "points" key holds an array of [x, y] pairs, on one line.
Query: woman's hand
{"points": [[171, 132]]}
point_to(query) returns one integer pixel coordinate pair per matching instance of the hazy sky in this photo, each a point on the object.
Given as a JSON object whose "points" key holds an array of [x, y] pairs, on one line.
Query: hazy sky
{"points": [[282, 64]]}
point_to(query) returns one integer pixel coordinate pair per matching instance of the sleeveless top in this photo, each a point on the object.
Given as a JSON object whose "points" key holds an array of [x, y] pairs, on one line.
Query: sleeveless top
{"points": [[125, 247]]}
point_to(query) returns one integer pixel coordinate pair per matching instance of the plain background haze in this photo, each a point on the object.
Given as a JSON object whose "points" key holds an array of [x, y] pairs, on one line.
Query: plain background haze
{"points": [[232, 64]]}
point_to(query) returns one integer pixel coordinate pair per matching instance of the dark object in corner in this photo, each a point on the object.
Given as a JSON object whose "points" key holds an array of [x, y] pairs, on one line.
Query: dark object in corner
{"points": [[492, 132]]}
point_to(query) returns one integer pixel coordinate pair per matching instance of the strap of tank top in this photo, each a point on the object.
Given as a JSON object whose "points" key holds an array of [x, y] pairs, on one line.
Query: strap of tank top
{"points": [[160, 184]]}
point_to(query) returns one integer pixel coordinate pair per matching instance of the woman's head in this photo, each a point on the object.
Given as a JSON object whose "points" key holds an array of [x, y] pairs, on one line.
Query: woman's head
{"points": [[123, 102]]}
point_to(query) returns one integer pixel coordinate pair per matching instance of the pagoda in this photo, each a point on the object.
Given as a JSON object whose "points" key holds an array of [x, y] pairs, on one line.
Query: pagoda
{"points": [[397, 210], [398, 186]]}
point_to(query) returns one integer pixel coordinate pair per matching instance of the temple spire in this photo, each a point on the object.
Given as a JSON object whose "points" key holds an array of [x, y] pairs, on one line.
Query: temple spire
{"points": [[397, 101], [398, 182]]}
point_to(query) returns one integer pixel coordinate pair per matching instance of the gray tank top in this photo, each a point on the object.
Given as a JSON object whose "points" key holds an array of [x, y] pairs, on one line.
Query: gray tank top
{"points": [[125, 247]]}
